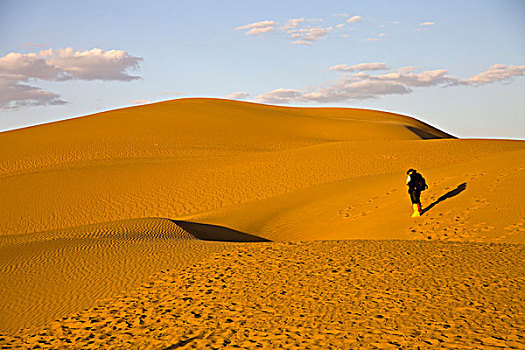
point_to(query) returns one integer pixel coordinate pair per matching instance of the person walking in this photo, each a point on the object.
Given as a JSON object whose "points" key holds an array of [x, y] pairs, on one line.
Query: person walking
{"points": [[416, 184]]}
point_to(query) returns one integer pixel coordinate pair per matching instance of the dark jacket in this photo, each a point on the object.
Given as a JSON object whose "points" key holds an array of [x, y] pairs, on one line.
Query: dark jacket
{"points": [[416, 182]]}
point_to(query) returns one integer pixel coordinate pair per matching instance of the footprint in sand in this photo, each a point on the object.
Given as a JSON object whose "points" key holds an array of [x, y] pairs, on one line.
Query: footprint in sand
{"points": [[475, 175], [480, 202], [363, 209], [517, 227]]}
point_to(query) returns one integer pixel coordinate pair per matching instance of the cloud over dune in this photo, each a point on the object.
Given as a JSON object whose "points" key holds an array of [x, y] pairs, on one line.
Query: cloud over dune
{"points": [[13, 94], [361, 85], [67, 64], [95, 64], [241, 95], [22, 67], [141, 102], [19, 71], [281, 96]]}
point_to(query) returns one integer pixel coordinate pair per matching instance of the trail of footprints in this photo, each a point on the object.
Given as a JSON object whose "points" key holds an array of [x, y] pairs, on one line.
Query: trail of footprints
{"points": [[446, 224], [365, 208], [457, 225], [317, 295]]}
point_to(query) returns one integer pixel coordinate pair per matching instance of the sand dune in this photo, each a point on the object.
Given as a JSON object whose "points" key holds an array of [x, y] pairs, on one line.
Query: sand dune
{"points": [[472, 201], [153, 153], [67, 270], [94, 207]]}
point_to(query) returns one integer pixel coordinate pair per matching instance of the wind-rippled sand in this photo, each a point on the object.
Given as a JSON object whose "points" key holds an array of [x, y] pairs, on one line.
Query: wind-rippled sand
{"points": [[122, 230], [324, 295]]}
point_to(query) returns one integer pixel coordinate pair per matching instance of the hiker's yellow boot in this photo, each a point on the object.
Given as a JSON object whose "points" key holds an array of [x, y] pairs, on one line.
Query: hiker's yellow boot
{"points": [[416, 211]]}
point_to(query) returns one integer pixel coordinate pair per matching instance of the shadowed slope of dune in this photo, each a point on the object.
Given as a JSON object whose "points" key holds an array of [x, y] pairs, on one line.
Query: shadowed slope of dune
{"points": [[216, 233], [424, 134]]}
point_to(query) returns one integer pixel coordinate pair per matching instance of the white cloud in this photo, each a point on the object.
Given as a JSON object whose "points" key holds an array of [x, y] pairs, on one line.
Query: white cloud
{"points": [[347, 89], [17, 69], [341, 91], [309, 34], [66, 64], [95, 64], [31, 65], [171, 93], [498, 72], [306, 31], [361, 85], [280, 96], [140, 102], [241, 95], [423, 79], [425, 25], [258, 27], [301, 31], [14, 95], [408, 69], [301, 42], [377, 38], [354, 19], [293, 23], [359, 67]]}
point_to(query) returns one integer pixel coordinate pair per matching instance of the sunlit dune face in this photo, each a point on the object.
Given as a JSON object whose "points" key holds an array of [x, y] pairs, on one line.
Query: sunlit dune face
{"points": [[96, 205]]}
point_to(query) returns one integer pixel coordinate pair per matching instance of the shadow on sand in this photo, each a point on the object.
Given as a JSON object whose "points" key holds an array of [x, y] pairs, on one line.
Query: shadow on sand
{"points": [[447, 195], [209, 232], [426, 135]]}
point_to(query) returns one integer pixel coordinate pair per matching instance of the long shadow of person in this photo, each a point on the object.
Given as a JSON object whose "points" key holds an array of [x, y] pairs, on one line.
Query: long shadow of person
{"points": [[447, 195]]}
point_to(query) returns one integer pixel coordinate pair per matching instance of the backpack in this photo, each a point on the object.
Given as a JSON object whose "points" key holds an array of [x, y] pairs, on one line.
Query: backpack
{"points": [[419, 182]]}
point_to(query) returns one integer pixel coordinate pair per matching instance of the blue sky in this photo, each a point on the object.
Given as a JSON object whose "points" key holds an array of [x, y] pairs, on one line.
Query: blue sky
{"points": [[457, 65]]}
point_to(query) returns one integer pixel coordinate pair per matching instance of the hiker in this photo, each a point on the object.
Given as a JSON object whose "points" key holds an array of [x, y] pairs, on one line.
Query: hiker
{"points": [[416, 183]]}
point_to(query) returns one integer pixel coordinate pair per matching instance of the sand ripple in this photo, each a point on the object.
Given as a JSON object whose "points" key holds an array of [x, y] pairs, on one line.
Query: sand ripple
{"points": [[50, 274], [322, 295]]}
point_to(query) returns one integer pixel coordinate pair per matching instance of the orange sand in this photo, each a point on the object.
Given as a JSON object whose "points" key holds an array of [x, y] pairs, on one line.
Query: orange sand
{"points": [[92, 208]]}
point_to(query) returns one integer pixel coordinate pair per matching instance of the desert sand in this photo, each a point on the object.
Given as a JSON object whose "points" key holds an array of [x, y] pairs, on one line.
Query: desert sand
{"points": [[206, 223]]}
